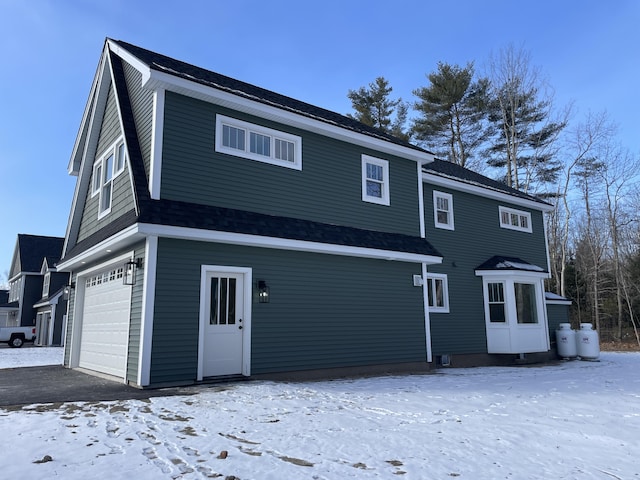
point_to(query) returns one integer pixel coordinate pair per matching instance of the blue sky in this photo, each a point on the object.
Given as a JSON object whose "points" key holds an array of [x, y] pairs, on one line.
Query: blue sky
{"points": [[310, 50]]}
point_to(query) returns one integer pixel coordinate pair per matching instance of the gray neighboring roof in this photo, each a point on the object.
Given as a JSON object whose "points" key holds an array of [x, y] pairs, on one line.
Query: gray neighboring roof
{"points": [[455, 172], [171, 66], [33, 249]]}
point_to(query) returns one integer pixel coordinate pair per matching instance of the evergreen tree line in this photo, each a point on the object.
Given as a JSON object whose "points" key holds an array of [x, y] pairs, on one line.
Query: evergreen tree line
{"points": [[506, 125]]}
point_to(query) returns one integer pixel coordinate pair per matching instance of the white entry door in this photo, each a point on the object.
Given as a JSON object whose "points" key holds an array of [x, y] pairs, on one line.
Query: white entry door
{"points": [[224, 324]]}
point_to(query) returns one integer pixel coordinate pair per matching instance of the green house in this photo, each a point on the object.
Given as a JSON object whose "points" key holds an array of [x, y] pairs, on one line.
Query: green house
{"points": [[220, 229]]}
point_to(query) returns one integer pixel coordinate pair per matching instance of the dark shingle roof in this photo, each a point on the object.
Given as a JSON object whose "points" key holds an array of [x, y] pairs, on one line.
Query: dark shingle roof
{"points": [[202, 76], [33, 249], [456, 172], [182, 214], [499, 262]]}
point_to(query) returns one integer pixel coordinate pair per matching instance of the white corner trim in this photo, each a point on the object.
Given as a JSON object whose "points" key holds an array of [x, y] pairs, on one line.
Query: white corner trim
{"points": [[427, 319], [421, 211], [148, 303], [157, 133]]}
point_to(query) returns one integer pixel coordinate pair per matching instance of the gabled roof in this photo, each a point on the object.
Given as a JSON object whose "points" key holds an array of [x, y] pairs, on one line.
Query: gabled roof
{"points": [[455, 173], [192, 73], [32, 250]]}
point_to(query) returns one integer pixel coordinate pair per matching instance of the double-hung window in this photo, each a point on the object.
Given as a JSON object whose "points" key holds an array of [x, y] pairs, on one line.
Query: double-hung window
{"points": [[108, 166], [443, 210], [375, 180], [438, 293], [515, 219], [45, 284], [255, 142]]}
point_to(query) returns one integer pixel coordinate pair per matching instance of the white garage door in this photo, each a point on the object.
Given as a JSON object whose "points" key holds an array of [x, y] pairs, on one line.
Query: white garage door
{"points": [[105, 323]]}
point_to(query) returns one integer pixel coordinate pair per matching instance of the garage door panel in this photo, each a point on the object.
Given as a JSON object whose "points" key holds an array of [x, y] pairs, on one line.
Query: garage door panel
{"points": [[105, 323]]}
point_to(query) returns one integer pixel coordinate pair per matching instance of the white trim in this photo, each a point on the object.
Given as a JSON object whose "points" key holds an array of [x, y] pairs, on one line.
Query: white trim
{"points": [[247, 274], [249, 128], [427, 319], [157, 131], [484, 191], [520, 213], [140, 230], [282, 243], [421, 212], [445, 291], [148, 304], [385, 199], [120, 239], [447, 196]]}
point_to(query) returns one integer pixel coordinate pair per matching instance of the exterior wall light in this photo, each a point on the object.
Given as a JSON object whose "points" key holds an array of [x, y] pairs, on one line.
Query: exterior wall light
{"points": [[263, 292], [129, 273]]}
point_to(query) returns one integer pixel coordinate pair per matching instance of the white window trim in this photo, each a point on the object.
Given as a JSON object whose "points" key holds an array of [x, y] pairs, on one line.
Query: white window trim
{"points": [[449, 197], [386, 197], [248, 128], [509, 279], [46, 282], [520, 213], [100, 164], [445, 292]]}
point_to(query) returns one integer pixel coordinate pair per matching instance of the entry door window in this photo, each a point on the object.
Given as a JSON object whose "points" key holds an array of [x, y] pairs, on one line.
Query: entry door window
{"points": [[223, 301], [525, 294]]}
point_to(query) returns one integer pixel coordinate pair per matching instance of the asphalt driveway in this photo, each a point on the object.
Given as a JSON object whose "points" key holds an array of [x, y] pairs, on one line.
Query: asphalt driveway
{"points": [[56, 384]]}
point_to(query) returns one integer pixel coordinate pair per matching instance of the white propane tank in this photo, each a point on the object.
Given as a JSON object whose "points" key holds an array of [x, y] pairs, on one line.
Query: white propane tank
{"points": [[587, 342], [566, 341]]}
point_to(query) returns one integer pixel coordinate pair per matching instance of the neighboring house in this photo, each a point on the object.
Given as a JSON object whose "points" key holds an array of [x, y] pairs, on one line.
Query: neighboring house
{"points": [[26, 276], [219, 229], [51, 309], [5, 309]]}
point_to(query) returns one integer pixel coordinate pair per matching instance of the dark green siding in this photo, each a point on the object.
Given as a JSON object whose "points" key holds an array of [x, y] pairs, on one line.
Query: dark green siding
{"points": [[476, 238], [142, 106], [135, 320], [122, 197], [328, 189], [325, 311], [556, 315]]}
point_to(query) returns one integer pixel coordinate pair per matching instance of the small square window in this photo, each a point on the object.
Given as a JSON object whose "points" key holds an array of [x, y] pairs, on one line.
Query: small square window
{"points": [[375, 180]]}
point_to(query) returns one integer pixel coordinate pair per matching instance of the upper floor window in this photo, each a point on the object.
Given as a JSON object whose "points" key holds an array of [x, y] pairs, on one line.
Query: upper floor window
{"points": [[438, 293], [443, 210], [515, 219], [45, 284], [375, 180], [108, 166], [243, 139], [15, 288]]}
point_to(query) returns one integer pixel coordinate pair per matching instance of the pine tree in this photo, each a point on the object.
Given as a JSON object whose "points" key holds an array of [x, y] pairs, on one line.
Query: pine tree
{"points": [[520, 114], [452, 108], [373, 107]]}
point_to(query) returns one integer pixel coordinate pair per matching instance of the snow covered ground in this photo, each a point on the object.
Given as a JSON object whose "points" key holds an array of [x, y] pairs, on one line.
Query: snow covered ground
{"points": [[574, 420]]}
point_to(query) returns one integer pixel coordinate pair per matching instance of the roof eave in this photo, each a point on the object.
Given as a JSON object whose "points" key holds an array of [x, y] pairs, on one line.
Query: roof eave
{"points": [[486, 191]]}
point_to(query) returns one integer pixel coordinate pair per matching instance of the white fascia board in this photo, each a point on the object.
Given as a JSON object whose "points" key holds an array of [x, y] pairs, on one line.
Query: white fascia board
{"points": [[484, 192], [156, 80], [121, 239], [512, 274], [132, 60], [247, 240]]}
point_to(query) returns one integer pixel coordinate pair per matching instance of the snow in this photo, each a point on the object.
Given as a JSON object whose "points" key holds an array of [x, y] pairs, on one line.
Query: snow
{"points": [[571, 420], [519, 266]]}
